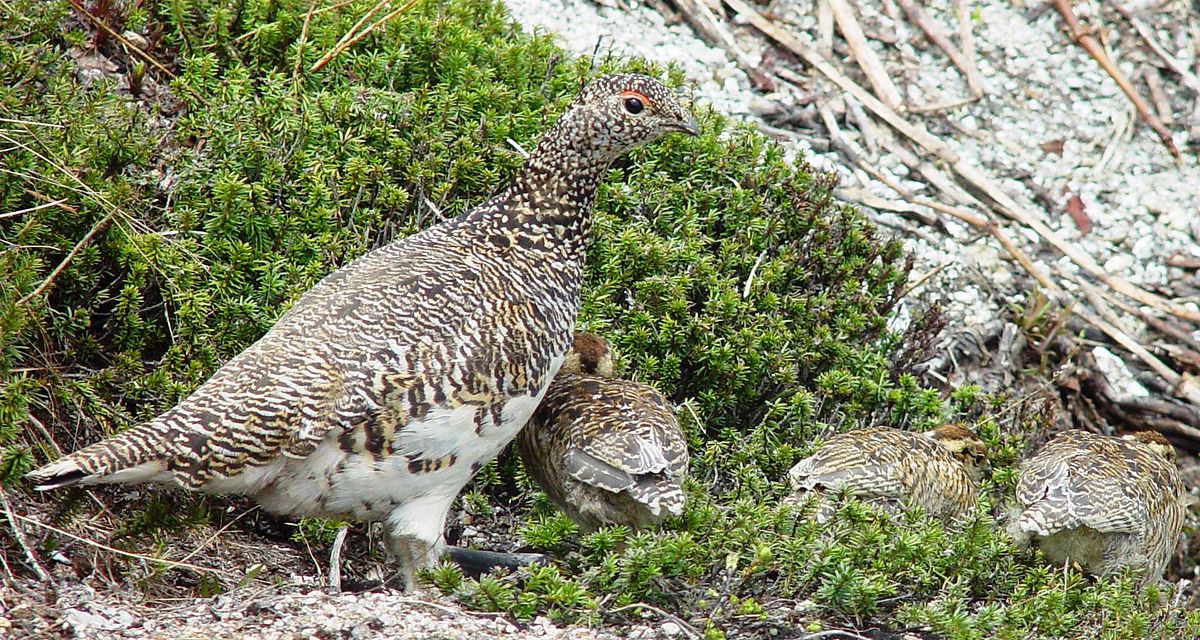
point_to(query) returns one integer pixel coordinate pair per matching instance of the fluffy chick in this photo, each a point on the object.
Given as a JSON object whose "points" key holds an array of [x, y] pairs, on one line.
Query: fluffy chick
{"points": [[938, 470], [1104, 502], [606, 451]]}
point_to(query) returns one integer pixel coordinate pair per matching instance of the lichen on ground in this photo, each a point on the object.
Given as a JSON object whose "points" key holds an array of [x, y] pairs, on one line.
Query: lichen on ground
{"points": [[188, 210]]}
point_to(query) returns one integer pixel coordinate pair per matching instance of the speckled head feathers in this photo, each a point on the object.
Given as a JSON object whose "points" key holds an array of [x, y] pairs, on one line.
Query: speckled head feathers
{"points": [[965, 445], [589, 354], [610, 116], [640, 102], [1155, 441]]}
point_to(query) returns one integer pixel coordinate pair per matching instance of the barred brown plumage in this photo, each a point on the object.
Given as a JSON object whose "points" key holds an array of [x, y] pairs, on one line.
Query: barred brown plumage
{"points": [[606, 451], [1104, 502], [387, 385], [938, 470]]}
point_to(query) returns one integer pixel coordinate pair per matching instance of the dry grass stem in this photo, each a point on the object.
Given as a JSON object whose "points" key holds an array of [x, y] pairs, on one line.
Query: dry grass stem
{"points": [[877, 75], [1090, 44]]}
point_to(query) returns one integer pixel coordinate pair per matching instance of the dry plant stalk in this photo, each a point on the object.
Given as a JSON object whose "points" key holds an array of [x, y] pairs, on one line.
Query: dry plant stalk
{"points": [[78, 6], [863, 53], [354, 35], [1179, 68], [1093, 47], [939, 38], [19, 534], [702, 19]]}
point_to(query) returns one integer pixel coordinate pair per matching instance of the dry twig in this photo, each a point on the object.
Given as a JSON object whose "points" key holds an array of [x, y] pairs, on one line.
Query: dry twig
{"points": [[967, 39], [335, 558], [96, 228], [1096, 50], [825, 28], [303, 40], [1184, 386], [938, 37], [688, 629], [1162, 105], [19, 534], [707, 25], [1190, 79], [46, 205], [78, 6], [128, 554], [863, 53], [353, 35]]}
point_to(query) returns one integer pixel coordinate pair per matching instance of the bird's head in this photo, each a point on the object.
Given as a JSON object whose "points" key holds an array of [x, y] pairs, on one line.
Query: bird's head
{"points": [[612, 115], [965, 446], [1155, 441], [589, 354]]}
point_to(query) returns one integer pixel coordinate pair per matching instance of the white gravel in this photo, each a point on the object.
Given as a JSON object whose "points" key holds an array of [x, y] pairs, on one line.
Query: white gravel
{"points": [[315, 615]]}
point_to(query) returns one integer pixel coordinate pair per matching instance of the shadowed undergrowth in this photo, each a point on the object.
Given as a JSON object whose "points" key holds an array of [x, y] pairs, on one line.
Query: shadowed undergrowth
{"points": [[187, 213]]}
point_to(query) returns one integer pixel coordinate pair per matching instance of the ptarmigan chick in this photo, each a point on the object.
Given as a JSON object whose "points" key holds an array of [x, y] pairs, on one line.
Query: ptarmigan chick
{"points": [[938, 470], [385, 387], [606, 451], [1103, 502]]}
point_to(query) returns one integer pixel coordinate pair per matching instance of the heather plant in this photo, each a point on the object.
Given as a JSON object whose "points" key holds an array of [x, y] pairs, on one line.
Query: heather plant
{"points": [[156, 221]]}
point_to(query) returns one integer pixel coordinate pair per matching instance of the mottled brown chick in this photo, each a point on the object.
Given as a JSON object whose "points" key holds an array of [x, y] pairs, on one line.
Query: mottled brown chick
{"points": [[1103, 502], [605, 451], [938, 470]]}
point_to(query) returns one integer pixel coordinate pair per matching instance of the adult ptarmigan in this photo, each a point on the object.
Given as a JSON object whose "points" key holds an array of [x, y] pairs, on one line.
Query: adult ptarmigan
{"points": [[387, 385], [938, 470], [1104, 502], [606, 451]]}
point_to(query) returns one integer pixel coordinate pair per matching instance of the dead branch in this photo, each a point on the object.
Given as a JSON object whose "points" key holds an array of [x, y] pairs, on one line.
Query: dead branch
{"points": [[19, 534], [688, 629], [335, 558], [302, 40], [967, 39], [1162, 105], [1096, 50], [825, 109], [938, 37], [865, 125], [825, 28], [710, 28], [1183, 413], [1172, 63], [353, 35], [1183, 386], [863, 53], [137, 556], [78, 6], [100, 224], [868, 201]]}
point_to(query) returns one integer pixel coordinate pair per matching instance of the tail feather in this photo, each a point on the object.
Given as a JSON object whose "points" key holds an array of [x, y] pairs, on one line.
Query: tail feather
{"points": [[137, 455]]}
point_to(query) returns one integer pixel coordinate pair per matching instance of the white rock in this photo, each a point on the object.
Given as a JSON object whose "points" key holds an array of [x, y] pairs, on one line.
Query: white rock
{"points": [[1118, 376], [1118, 263]]}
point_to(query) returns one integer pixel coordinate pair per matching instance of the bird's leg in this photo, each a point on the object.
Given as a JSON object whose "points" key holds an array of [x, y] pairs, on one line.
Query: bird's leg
{"points": [[415, 535], [413, 554]]}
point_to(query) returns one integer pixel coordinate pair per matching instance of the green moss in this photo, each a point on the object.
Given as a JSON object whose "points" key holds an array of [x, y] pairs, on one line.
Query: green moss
{"points": [[724, 275]]}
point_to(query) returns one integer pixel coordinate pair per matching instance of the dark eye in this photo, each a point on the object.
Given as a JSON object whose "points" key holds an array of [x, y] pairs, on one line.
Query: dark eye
{"points": [[634, 106]]}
